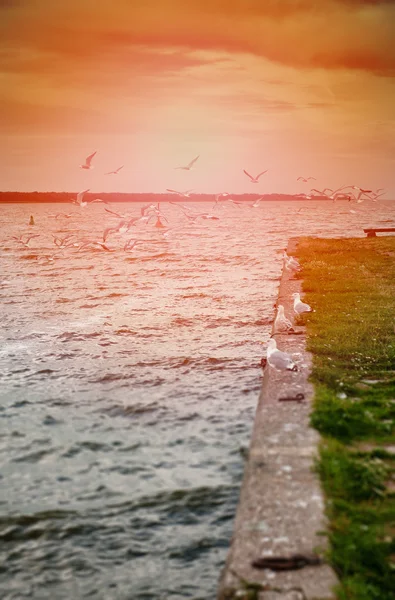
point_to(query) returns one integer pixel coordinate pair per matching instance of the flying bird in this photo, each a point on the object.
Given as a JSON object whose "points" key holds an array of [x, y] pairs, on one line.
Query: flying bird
{"points": [[256, 203], [305, 179], [80, 202], [25, 242], [183, 194], [87, 164], [255, 179], [208, 216], [191, 218], [115, 172], [291, 263], [217, 197], [335, 193], [94, 244], [63, 242], [189, 166]]}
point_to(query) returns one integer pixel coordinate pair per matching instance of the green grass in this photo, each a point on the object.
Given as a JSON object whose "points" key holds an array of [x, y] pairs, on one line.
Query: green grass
{"points": [[350, 283]]}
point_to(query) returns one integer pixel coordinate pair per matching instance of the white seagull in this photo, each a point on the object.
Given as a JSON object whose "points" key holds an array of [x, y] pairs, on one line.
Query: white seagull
{"points": [[79, 199], [291, 263], [115, 172], [87, 164], [257, 202], [189, 166], [147, 207], [130, 244], [122, 227], [299, 306], [255, 179], [183, 194], [25, 242], [305, 179], [208, 216], [80, 202], [281, 323], [278, 359]]}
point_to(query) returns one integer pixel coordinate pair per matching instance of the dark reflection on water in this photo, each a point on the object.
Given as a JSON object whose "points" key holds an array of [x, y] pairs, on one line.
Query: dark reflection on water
{"points": [[128, 388]]}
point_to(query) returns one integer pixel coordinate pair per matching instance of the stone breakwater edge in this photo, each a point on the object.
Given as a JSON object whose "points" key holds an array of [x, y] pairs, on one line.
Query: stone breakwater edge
{"points": [[281, 507]]}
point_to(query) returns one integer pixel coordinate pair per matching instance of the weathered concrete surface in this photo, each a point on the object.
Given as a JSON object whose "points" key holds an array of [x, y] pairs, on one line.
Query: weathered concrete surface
{"points": [[280, 511]]}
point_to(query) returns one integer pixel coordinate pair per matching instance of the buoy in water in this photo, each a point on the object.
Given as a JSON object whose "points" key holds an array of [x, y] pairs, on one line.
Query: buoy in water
{"points": [[159, 223], [31, 221]]}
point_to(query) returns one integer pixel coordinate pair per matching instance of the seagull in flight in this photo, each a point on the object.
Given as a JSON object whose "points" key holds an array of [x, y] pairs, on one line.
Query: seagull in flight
{"points": [[63, 242], [87, 164], [80, 202], [94, 244], [305, 179], [25, 242], [339, 193], [208, 216], [235, 202], [130, 244], [186, 194], [115, 172], [191, 218], [118, 214], [189, 166], [79, 199], [61, 216], [179, 205], [217, 197], [122, 227], [256, 203], [254, 179]]}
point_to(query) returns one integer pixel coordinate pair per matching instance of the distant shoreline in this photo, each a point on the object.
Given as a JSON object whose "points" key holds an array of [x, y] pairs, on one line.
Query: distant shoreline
{"points": [[67, 197]]}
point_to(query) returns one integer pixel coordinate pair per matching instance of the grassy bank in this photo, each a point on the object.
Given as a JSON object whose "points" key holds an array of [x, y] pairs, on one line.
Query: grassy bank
{"points": [[351, 285]]}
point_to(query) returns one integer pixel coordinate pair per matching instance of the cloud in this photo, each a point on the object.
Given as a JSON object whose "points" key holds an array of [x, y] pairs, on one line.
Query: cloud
{"points": [[23, 117], [93, 66], [331, 34]]}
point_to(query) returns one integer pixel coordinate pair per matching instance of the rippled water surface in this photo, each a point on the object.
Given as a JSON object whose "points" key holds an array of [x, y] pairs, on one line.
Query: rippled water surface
{"points": [[129, 382]]}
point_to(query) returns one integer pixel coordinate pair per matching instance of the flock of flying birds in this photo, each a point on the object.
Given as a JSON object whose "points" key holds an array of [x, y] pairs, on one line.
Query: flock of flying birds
{"points": [[345, 192], [152, 211], [275, 357]]}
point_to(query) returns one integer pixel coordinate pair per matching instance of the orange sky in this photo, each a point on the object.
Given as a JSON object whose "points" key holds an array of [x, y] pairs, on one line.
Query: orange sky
{"points": [[299, 87]]}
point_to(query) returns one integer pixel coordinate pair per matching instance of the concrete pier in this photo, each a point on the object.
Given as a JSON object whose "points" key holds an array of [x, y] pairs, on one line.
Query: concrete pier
{"points": [[281, 507]]}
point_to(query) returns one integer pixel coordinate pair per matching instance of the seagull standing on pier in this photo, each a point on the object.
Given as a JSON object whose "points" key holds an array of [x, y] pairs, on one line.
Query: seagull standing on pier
{"points": [[281, 323], [299, 306], [186, 194], [305, 179], [25, 242], [279, 360]]}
